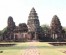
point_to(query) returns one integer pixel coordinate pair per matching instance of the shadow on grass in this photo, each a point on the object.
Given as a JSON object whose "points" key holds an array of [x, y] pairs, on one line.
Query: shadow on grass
{"points": [[51, 47], [13, 48]]}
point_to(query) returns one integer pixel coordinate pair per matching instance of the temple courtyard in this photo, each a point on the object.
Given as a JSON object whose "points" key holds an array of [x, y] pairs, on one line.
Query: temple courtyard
{"points": [[32, 48]]}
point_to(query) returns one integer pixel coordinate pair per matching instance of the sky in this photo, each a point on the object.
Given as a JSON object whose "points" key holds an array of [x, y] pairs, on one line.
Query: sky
{"points": [[20, 9]]}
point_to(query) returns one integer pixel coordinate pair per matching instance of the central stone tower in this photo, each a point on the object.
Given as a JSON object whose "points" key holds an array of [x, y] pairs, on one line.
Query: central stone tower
{"points": [[33, 24]]}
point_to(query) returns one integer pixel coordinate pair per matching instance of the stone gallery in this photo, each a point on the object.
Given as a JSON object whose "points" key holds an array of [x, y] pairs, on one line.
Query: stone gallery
{"points": [[32, 31]]}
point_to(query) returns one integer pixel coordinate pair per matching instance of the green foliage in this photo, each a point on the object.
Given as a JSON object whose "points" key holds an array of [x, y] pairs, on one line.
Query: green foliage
{"points": [[45, 28], [5, 29], [2, 31], [64, 28]]}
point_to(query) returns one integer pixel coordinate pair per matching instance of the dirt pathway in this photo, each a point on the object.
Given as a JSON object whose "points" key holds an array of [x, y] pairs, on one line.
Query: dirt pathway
{"points": [[31, 50]]}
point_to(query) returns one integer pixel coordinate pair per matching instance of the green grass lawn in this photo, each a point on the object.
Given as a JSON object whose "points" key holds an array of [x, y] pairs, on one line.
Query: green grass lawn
{"points": [[47, 49], [43, 47], [13, 50]]}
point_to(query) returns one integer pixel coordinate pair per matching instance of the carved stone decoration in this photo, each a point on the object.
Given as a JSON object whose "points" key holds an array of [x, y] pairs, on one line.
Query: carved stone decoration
{"points": [[33, 24], [11, 24], [56, 28], [33, 21], [9, 34]]}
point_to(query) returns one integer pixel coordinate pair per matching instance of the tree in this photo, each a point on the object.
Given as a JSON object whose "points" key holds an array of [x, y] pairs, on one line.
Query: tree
{"points": [[45, 28], [5, 29]]}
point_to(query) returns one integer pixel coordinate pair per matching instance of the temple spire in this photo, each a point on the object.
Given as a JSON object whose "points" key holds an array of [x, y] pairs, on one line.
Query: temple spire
{"points": [[10, 23], [33, 10], [33, 14], [33, 21], [55, 24]]}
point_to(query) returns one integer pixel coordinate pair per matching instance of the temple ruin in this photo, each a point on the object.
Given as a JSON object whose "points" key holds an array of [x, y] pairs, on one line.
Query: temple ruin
{"points": [[32, 30]]}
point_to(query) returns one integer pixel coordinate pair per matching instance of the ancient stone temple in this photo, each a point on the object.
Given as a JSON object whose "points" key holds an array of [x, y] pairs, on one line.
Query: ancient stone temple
{"points": [[32, 31], [56, 28], [8, 34], [34, 25], [23, 32]]}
